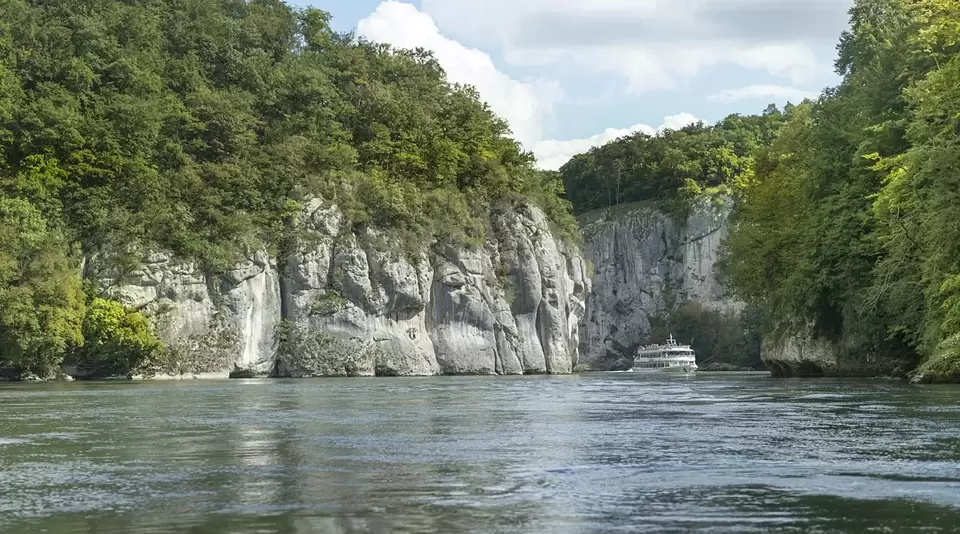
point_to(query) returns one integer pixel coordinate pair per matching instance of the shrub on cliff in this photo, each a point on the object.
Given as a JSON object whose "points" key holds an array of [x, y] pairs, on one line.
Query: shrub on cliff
{"points": [[117, 339]]}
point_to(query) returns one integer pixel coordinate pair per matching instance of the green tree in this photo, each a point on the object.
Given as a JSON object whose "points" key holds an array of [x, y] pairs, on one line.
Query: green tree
{"points": [[917, 205], [847, 223], [116, 339], [41, 299], [671, 167]]}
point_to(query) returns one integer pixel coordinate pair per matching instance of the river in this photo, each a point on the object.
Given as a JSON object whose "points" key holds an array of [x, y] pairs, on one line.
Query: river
{"points": [[570, 454]]}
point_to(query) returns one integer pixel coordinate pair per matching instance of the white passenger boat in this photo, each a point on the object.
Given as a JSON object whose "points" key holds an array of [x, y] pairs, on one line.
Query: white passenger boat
{"points": [[668, 358]]}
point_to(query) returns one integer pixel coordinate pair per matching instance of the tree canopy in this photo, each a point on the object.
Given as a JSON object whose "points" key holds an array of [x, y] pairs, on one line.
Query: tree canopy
{"points": [[669, 167]]}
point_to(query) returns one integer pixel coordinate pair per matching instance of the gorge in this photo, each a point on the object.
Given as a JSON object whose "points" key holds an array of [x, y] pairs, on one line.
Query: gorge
{"points": [[240, 189], [348, 305], [647, 264]]}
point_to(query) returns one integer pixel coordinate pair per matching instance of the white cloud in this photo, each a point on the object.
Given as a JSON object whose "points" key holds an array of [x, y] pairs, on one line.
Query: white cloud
{"points": [[524, 104], [653, 44], [675, 122], [552, 154], [793, 61], [658, 67], [778, 93]]}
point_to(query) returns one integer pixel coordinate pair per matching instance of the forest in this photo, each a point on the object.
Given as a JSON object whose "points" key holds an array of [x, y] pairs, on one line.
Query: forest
{"points": [[851, 228], [200, 127], [847, 226], [671, 168]]}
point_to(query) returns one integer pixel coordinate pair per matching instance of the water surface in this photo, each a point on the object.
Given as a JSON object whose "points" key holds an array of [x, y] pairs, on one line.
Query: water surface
{"points": [[583, 453]]}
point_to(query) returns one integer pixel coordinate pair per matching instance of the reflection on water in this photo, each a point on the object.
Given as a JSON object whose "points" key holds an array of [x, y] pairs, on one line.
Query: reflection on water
{"points": [[589, 453]]}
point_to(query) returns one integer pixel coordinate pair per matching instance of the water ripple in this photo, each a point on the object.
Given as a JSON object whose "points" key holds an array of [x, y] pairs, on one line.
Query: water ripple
{"points": [[588, 453]]}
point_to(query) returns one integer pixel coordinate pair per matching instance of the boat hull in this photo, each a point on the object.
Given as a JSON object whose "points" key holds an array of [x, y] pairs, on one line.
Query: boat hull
{"points": [[677, 369]]}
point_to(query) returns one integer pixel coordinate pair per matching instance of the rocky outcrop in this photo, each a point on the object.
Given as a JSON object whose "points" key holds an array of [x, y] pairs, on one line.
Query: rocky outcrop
{"points": [[210, 324], [646, 262], [342, 304], [800, 355], [798, 352], [512, 307]]}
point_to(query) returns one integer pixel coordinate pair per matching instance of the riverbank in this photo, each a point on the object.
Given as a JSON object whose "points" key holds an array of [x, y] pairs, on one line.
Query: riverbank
{"points": [[942, 368], [933, 374], [232, 376]]}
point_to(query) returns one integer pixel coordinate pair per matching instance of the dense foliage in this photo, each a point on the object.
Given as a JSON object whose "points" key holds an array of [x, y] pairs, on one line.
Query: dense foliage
{"points": [[721, 340], [117, 339], [670, 168], [199, 126], [851, 225], [41, 298]]}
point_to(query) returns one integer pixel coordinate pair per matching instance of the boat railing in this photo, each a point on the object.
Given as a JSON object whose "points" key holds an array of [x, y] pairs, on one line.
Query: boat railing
{"points": [[670, 344]]}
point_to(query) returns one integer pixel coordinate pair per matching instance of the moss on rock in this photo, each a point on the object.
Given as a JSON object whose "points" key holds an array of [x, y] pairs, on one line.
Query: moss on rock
{"points": [[943, 367]]}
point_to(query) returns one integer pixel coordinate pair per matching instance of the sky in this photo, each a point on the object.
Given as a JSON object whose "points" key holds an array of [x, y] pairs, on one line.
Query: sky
{"points": [[572, 74]]}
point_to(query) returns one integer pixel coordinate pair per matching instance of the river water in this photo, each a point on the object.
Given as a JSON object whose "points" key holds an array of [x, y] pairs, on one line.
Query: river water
{"points": [[585, 453]]}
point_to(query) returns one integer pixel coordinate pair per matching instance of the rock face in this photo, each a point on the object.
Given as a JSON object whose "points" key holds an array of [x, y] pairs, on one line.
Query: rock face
{"points": [[210, 324], [644, 263], [341, 304], [800, 355]]}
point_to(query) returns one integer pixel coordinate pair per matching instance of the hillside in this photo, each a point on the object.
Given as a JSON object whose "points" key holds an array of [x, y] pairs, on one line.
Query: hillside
{"points": [[202, 129], [671, 168], [850, 234]]}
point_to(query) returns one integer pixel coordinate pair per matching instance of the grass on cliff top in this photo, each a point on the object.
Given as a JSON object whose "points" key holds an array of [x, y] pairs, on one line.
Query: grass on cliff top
{"points": [[715, 196], [593, 221], [616, 212]]}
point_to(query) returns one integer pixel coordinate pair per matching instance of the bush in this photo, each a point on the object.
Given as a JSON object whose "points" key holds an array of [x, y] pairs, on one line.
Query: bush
{"points": [[944, 365], [117, 339]]}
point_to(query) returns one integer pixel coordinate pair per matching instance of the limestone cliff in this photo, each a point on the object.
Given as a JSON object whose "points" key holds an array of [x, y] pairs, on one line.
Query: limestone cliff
{"points": [[644, 263], [341, 304], [209, 323], [800, 353]]}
